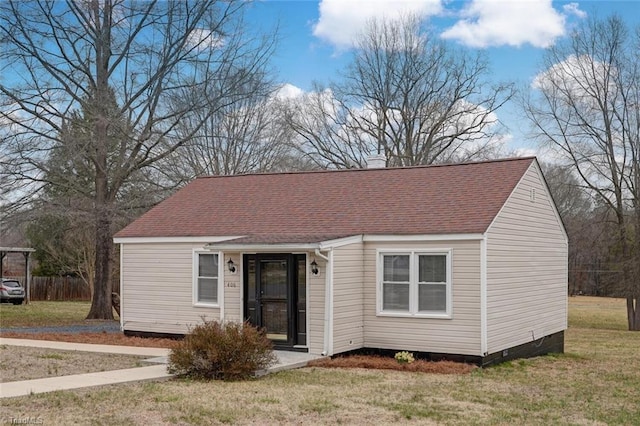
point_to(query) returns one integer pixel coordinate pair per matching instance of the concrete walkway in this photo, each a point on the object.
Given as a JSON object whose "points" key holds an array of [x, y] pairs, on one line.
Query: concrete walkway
{"points": [[86, 347], [76, 381], [286, 361]]}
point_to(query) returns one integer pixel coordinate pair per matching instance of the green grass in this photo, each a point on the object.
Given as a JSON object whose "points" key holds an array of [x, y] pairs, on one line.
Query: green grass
{"points": [[597, 312], [595, 382], [52, 356], [37, 314]]}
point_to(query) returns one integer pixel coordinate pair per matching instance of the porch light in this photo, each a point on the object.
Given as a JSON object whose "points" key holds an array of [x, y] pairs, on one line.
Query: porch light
{"points": [[231, 265], [314, 267]]}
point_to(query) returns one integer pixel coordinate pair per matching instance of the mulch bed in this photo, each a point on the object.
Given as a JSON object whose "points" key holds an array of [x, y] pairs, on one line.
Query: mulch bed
{"points": [[95, 338], [387, 363], [349, 361]]}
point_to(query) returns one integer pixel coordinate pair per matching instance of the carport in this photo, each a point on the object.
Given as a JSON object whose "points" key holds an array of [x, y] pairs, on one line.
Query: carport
{"points": [[26, 252]]}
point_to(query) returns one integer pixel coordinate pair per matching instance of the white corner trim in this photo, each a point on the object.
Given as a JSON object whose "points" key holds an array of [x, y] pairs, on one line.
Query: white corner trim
{"points": [[327, 349], [307, 307], [330, 274], [121, 288], [483, 297], [221, 278], [151, 240], [409, 238]]}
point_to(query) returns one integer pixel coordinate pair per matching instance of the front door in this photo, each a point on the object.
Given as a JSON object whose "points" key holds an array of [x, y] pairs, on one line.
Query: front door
{"points": [[275, 296]]}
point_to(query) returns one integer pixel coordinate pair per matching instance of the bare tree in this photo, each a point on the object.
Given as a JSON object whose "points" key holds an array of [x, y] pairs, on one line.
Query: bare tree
{"points": [[578, 215], [64, 243], [325, 132], [407, 95], [242, 137], [586, 105], [59, 57], [571, 199]]}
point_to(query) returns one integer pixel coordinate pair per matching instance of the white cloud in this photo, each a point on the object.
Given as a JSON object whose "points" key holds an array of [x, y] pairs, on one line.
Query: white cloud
{"points": [[574, 74], [525, 152], [288, 91], [341, 21], [574, 9], [498, 22], [202, 39]]}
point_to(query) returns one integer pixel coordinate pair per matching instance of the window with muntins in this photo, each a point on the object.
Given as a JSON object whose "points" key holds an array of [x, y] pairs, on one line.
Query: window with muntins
{"points": [[415, 283], [207, 278]]}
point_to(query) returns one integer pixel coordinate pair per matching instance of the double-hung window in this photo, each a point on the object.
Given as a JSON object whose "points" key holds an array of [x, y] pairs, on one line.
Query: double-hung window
{"points": [[205, 271], [415, 283]]}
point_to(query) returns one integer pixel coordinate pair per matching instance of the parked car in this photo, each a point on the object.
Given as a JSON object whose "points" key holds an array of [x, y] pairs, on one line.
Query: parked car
{"points": [[11, 291]]}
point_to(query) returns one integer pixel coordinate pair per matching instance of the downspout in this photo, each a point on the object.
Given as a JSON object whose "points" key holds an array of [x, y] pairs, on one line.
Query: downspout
{"points": [[328, 303]]}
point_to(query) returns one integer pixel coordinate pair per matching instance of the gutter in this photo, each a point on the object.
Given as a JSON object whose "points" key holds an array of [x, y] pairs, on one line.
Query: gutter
{"points": [[328, 302], [263, 248]]}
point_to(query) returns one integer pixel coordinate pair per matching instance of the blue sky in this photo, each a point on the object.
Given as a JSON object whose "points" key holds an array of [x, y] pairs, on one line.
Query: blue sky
{"points": [[316, 35]]}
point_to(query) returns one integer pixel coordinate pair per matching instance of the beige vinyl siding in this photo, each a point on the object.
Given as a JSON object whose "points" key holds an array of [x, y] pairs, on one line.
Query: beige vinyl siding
{"points": [[232, 288], [348, 324], [526, 268], [316, 306], [158, 288], [458, 335]]}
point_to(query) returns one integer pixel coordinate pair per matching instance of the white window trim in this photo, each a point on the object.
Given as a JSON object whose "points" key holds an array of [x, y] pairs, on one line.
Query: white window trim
{"points": [[194, 275], [413, 283]]}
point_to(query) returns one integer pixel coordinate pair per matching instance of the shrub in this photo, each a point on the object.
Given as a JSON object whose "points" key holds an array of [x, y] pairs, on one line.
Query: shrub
{"points": [[404, 357], [226, 351]]}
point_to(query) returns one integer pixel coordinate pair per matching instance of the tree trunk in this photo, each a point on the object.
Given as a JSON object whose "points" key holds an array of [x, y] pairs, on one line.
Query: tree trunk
{"points": [[633, 313], [628, 276], [101, 301]]}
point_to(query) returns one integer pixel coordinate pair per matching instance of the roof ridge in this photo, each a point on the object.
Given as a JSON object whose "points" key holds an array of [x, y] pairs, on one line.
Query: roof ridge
{"points": [[424, 166]]}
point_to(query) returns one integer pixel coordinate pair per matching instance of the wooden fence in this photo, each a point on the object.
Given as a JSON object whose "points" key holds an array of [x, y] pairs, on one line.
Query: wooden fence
{"points": [[61, 288]]}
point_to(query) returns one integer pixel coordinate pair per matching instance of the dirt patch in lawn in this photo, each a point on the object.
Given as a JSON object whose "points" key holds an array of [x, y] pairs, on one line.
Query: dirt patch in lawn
{"points": [[386, 363], [27, 363], [95, 338]]}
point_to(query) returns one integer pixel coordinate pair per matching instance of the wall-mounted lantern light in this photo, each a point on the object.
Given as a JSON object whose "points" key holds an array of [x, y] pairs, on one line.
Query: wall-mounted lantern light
{"points": [[231, 265], [314, 267]]}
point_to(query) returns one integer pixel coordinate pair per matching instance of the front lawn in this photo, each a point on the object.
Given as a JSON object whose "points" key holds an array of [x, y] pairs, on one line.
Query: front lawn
{"points": [[39, 314], [596, 382]]}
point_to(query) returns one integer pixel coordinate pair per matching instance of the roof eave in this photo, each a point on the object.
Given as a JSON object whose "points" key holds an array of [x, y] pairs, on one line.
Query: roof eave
{"points": [[184, 239], [263, 247]]}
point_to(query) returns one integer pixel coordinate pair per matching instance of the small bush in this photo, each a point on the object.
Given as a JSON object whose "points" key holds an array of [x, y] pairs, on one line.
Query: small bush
{"points": [[404, 357], [226, 351]]}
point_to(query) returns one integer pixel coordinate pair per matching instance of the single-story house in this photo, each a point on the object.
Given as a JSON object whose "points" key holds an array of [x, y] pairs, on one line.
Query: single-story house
{"points": [[465, 261]]}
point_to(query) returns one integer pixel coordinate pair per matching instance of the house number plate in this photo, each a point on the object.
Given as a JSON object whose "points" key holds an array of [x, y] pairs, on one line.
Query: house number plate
{"points": [[230, 284]]}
